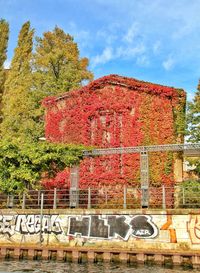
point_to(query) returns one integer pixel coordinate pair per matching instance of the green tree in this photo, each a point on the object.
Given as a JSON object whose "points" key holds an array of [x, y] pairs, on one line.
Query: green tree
{"points": [[193, 121], [193, 117], [57, 68], [23, 164], [4, 35], [17, 99], [58, 65]]}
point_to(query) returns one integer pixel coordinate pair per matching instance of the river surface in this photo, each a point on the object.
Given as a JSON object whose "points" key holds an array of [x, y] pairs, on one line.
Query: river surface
{"points": [[60, 267]]}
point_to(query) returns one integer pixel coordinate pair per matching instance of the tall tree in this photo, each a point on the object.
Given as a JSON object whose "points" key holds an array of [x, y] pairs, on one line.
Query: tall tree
{"points": [[58, 64], [4, 34], [17, 102], [57, 68], [193, 121], [193, 117]]}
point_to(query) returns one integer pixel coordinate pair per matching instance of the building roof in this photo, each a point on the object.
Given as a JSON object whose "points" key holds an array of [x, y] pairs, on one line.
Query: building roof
{"points": [[116, 80]]}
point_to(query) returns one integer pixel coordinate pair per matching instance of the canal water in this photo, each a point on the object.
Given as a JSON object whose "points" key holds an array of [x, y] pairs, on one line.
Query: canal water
{"points": [[60, 267]]}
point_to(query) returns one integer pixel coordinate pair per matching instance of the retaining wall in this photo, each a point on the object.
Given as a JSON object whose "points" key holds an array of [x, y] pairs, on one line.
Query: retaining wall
{"points": [[140, 235]]}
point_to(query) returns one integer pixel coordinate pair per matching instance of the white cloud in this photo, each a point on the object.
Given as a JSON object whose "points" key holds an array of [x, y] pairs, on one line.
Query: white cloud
{"points": [[122, 52], [103, 58], [130, 52], [132, 33], [7, 64], [143, 61], [168, 63], [82, 37], [108, 37]]}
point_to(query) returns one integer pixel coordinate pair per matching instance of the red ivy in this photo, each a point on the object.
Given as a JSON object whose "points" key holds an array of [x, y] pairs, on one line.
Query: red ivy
{"points": [[114, 111]]}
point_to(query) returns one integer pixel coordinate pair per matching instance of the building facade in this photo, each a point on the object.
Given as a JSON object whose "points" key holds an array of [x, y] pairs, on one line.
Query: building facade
{"points": [[116, 111]]}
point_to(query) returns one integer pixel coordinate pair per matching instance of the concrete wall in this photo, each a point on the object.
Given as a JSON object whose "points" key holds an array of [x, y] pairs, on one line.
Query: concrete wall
{"points": [[127, 229]]}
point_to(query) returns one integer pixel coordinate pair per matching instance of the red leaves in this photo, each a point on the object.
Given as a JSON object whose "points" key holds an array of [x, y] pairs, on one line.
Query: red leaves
{"points": [[114, 111], [60, 181]]}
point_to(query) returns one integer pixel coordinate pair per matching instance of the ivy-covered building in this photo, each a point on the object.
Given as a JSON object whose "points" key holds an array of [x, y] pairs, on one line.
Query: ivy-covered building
{"points": [[116, 111]]}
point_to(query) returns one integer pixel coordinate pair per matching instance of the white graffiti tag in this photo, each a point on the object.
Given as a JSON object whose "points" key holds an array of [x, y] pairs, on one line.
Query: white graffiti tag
{"points": [[6, 224], [31, 224]]}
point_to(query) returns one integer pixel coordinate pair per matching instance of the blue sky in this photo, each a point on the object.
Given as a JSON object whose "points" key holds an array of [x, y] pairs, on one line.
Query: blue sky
{"points": [[151, 40]]}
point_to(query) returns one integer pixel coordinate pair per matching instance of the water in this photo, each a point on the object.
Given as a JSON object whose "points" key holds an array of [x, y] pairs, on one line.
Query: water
{"points": [[49, 267]]}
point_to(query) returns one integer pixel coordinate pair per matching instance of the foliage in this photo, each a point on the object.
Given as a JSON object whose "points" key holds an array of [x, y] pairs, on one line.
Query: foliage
{"points": [[116, 111], [179, 113], [4, 33], [17, 102], [24, 165], [58, 68], [193, 118], [54, 68], [58, 65], [189, 193], [193, 122]]}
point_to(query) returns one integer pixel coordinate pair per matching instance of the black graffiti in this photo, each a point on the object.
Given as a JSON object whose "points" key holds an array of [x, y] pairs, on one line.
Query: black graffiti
{"points": [[108, 227], [79, 227], [98, 228], [118, 226], [142, 226], [88, 226]]}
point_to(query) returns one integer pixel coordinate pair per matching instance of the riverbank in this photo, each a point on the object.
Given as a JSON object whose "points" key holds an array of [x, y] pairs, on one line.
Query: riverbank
{"points": [[128, 236]]}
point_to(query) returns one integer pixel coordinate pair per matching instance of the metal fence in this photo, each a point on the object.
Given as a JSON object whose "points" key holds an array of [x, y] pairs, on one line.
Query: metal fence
{"points": [[104, 198]]}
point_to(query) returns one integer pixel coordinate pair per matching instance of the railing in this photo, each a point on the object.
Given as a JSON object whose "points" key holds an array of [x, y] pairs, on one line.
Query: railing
{"points": [[104, 198]]}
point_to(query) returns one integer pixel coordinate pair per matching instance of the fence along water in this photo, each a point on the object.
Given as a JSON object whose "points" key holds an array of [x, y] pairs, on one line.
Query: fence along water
{"points": [[119, 197]]}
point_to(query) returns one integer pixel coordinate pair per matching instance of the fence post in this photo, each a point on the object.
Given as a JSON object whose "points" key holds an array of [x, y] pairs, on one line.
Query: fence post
{"points": [[55, 198], [41, 216], [38, 198], [125, 195], [163, 197], [10, 201], [106, 196], [89, 198], [183, 189], [23, 200], [74, 187], [144, 178]]}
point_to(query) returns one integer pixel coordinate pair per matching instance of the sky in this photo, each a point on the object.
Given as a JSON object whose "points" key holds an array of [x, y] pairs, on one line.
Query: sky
{"points": [[151, 40]]}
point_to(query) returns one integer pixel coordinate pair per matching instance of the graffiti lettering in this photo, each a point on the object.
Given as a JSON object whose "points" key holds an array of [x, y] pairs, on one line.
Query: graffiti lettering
{"points": [[193, 227], [143, 227], [79, 226], [29, 224], [6, 226], [118, 227], [108, 227]]}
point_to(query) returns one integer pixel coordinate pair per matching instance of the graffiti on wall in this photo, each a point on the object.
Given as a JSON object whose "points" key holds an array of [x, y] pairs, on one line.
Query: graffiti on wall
{"points": [[64, 228], [193, 227], [91, 226], [29, 224], [113, 226]]}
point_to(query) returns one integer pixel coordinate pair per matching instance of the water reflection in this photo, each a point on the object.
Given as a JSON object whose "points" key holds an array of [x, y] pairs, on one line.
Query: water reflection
{"points": [[60, 267]]}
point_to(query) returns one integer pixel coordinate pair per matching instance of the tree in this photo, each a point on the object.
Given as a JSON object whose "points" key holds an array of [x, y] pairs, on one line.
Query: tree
{"points": [[58, 65], [22, 165], [193, 117], [54, 68], [17, 100], [57, 68], [193, 121], [4, 34]]}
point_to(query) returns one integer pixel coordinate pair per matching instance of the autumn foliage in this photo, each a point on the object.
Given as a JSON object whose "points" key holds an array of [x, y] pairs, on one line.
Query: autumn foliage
{"points": [[116, 111]]}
